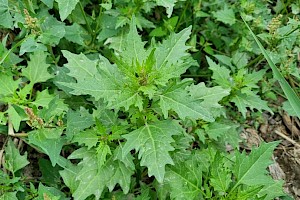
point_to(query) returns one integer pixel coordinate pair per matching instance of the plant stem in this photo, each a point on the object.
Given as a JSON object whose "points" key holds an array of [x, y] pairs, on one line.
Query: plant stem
{"points": [[86, 21]]}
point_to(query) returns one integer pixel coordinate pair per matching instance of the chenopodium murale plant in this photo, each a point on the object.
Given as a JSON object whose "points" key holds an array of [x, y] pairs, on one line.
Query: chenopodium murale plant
{"points": [[145, 85]]}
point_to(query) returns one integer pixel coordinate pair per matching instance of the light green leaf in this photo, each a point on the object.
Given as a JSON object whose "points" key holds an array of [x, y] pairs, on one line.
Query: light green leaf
{"points": [[9, 195], [14, 117], [217, 129], [168, 4], [176, 98], [6, 19], [69, 177], [89, 138], [172, 50], [184, 180], [52, 31], [221, 75], [8, 85], [210, 96], [66, 7], [48, 3], [226, 16], [74, 33], [31, 45], [153, 142], [43, 99], [251, 169], [51, 192], [220, 177], [289, 109], [287, 89], [272, 190], [13, 160], [36, 71], [49, 141], [243, 101]]}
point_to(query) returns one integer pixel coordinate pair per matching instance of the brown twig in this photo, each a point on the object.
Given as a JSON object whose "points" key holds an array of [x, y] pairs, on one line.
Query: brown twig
{"points": [[287, 138]]}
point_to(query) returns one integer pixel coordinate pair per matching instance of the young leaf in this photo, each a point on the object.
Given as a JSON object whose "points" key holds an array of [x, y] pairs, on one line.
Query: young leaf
{"points": [[153, 142], [66, 7], [252, 101], [36, 71], [221, 75], [13, 160], [177, 98], [6, 19], [251, 170]]}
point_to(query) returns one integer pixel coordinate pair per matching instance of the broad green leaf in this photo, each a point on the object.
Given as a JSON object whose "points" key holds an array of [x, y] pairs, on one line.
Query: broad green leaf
{"points": [[43, 98], [210, 96], [31, 45], [240, 59], [77, 121], [52, 31], [226, 16], [37, 69], [153, 142], [221, 75], [89, 137], [133, 47], [169, 55], [272, 190], [94, 179], [287, 89], [184, 180], [9, 195], [6, 19], [49, 140], [105, 82], [69, 177], [8, 85], [52, 193], [251, 79], [251, 169], [220, 177], [217, 129], [243, 101], [66, 7], [176, 98], [74, 33], [13, 160]]}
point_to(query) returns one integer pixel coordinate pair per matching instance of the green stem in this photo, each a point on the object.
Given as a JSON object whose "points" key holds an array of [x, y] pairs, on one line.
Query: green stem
{"points": [[12, 49], [85, 19]]}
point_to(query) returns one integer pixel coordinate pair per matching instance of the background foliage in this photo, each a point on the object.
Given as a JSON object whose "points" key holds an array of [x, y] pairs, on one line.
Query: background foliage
{"points": [[135, 99]]}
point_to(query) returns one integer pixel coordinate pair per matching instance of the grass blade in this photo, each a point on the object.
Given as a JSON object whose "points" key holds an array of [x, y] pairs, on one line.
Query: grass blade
{"points": [[287, 89]]}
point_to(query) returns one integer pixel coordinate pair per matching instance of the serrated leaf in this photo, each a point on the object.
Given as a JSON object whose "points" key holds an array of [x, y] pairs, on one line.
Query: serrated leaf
{"points": [[13, 160], [77, 121], [221, 75], [69, 177], [243, 101], [49, 140], [89, 138], [74, 33], [272, 190], [220, 177], [226, 16], [52, 31], [184, 180], [176, 98], [66, 7], [6, 19], [36, 71], [217, 129], [153, 142], [8, 85], [43, 98], [251, 170], [210, 96], [31, 45]]}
